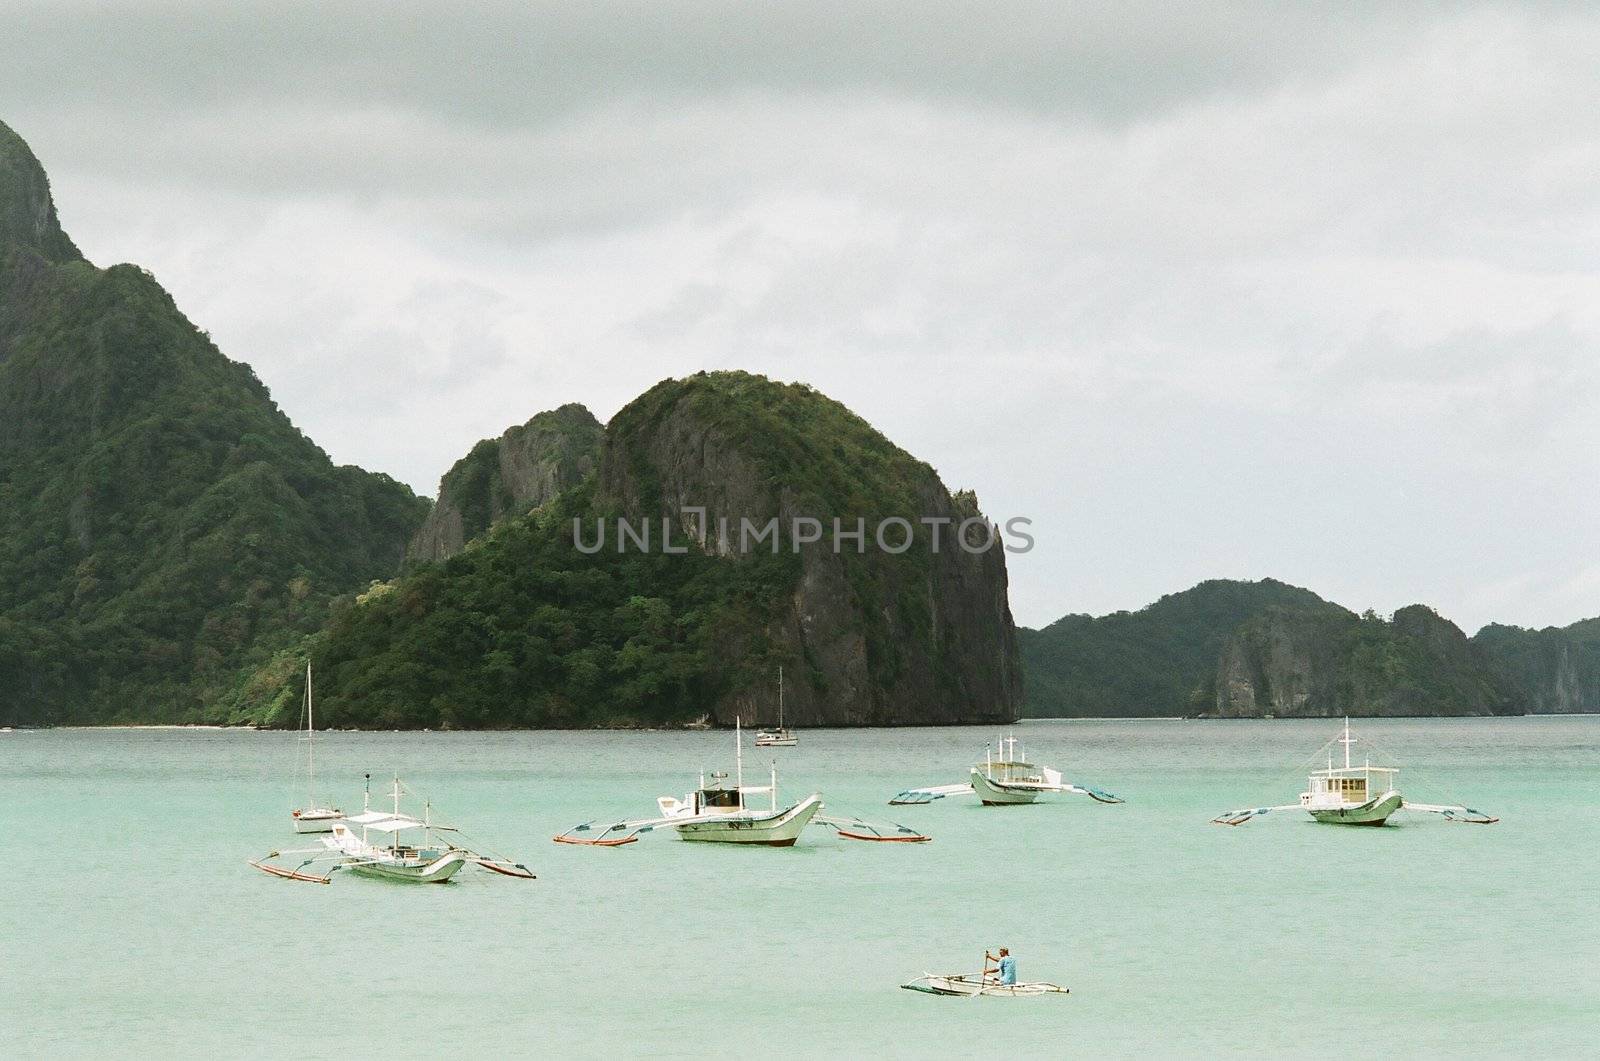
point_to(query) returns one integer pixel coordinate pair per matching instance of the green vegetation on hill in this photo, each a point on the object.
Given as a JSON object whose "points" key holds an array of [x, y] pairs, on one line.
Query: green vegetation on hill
{"points": [[813, 457], [1258, 648], [1152, 662], [1555, 670], [524, 468], [523, 629], [162, 523]]}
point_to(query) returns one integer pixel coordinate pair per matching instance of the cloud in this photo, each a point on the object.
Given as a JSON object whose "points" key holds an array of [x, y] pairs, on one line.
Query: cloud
{"points": [[1207, 291]]}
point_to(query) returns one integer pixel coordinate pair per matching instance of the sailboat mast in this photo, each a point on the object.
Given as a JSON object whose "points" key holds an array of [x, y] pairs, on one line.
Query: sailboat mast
{"points": [[738, 756], [780, 696], [311, 742]]}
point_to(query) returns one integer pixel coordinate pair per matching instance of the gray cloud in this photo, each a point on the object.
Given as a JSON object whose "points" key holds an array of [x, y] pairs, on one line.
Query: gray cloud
{"points": [[1297, 290]]}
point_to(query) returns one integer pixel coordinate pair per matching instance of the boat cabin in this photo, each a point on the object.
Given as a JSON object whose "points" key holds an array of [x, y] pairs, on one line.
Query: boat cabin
{"points": [[1010, 765], [712, 800], [1349, 785]]}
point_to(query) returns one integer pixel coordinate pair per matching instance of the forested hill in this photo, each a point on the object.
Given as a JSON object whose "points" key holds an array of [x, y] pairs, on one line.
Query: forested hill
{"points": [[1147, 662], [1251, 649], [521, 628], [162, 523], [1554, 670]]}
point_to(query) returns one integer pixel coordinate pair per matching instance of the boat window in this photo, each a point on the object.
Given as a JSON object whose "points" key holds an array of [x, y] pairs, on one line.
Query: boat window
{"points": [[719, 797]]}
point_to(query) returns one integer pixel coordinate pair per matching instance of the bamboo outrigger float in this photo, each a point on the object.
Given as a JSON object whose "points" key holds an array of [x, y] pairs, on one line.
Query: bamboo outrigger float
{"points": [[427, 859], [1004, 780], [1356, 795], [717, 812]]}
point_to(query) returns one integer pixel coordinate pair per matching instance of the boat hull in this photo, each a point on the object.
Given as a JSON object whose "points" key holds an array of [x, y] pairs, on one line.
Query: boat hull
{"points": [[773, 830], [316, 821], [435, 871], [1373, 812], [994, 794]]}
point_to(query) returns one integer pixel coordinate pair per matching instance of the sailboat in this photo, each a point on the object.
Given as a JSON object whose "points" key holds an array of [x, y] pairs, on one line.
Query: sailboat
{"points": [[390, 845], [316, 816], [780, 737], [719, 812], [1003, 780], [1356, 795]]}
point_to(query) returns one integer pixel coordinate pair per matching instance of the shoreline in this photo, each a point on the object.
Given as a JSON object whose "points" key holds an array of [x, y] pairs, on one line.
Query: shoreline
{"points": [[207, 727]]}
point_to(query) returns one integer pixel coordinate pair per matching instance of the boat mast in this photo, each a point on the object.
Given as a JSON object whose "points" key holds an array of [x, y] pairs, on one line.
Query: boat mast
{"points": [[1346, 741], [311, 743], [738, 757], [780, 696]]}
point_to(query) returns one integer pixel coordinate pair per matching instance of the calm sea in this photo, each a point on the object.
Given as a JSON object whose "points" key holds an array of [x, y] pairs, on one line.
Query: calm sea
{"points": [[131, 924]]}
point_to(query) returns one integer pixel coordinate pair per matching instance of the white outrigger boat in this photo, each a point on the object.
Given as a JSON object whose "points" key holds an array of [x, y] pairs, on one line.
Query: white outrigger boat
{"points": [[990, 981], [318, 815], [1356, 795], [781, 737], [717, 812], [1004, 780], [972, 984], [406, 849]]}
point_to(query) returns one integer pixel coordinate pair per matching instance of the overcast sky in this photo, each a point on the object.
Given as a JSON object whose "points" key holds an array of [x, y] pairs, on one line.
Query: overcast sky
{"points": [[1303, 291]]}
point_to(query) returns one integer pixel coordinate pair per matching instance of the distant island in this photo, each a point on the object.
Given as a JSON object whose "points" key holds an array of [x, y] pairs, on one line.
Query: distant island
{"points": [[1230, 649], [173, 550]]}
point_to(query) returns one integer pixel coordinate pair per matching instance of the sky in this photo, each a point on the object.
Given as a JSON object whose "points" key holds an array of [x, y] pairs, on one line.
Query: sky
{"points": [[1303, 291]]}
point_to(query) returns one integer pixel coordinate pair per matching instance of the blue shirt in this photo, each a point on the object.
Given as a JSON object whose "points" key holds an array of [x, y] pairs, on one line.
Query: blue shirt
{"points": [[1008, 970]]}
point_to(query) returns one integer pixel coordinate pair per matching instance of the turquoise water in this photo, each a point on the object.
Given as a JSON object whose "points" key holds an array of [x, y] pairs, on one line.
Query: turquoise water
{"points": [[131, 923]]}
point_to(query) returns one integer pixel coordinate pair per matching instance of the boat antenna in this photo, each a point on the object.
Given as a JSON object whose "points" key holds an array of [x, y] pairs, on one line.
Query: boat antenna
{"points": [[738, 754], [366, 793]]}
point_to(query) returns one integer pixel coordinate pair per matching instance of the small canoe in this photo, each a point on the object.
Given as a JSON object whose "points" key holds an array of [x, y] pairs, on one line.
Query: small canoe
{"points": [[969, 985]]}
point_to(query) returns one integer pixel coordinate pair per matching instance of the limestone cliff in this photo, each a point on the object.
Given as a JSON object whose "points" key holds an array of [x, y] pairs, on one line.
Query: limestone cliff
{"points": [[1556, 670], [1327, 661], [508, 476], [27, 212], [922, 637]]}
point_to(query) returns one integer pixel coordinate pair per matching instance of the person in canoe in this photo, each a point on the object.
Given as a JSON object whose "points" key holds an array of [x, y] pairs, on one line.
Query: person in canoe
{"points": [[1005, 966]]}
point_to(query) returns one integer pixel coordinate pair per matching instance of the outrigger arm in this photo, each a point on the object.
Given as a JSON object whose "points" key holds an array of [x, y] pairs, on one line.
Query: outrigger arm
{"points": [[1451, 812], [1239, 817], [628, 832], [918, 796], [861, 829], [618, 834]]}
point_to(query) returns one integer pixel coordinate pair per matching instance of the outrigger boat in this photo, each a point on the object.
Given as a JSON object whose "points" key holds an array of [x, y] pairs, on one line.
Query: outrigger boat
{"points": [[1356, 795], [780, 737], [717, 812], [317, 816], [989, 981], [1004, 780], [971, 984], [426, 859]]}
